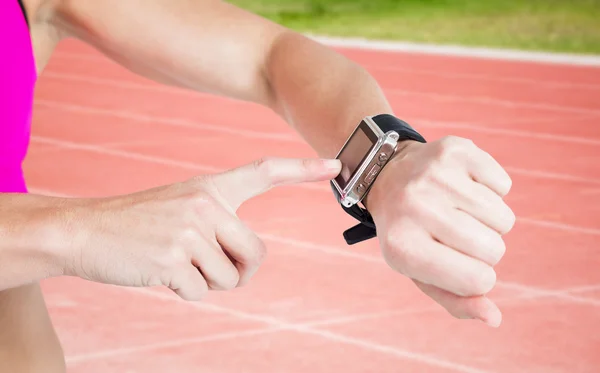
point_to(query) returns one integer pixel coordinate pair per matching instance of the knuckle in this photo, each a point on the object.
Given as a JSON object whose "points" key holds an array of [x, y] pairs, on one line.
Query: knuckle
{"points": [[452, 146], [258, 254], [230, 278], [309, 168], [482, 281], [264, 166], [450, 142], [258, 163], [201, 206], [306, 164], [508, 183], [173, 256], [185, 283], [202, 200], [483, 239], [254, 256], [493, 247], [187, 237], [510, 222], [499, 252], [505, 218], [226, 278]]}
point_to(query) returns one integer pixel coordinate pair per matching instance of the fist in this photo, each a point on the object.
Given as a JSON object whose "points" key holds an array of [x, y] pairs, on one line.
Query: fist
{"points": [[185, 236], [440, 217]]}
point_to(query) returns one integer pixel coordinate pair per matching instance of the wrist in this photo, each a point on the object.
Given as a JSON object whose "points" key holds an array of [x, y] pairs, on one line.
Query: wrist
{"points": [[65, 232], [32, 241], [49, 233], [47, 236], [377, 190]]}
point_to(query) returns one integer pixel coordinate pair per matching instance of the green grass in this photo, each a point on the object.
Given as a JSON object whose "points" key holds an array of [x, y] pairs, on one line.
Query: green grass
{"points": [[550, 25]]}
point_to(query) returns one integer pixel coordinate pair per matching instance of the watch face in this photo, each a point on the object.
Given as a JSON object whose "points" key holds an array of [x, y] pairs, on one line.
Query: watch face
{"points": [[355, 151]]}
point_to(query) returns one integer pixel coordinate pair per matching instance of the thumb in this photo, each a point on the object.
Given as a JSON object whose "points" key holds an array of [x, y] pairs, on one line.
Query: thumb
{"points": [[240, 184]]}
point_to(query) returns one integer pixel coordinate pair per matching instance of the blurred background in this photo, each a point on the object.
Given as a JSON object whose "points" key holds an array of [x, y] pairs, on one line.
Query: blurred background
{"points": [[549, 25], [318, 305]]}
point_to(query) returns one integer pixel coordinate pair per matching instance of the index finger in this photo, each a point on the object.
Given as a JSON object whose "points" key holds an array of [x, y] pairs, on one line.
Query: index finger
{"points": [[240, 184]]}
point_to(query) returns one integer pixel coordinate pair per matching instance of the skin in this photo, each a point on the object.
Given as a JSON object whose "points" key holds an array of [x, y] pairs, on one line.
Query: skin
{"points": [[438, 206]]}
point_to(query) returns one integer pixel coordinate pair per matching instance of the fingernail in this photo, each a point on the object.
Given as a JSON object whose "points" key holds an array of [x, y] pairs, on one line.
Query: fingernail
{"points": [[492, 316], [333, 164]]}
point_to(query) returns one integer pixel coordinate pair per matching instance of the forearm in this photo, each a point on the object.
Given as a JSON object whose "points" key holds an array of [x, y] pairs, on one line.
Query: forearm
{"points": [[32, 242], [212, 46], [322, 94]]}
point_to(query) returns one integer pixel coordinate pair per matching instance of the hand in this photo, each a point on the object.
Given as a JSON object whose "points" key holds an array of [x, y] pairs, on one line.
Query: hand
{"points": [[185, 236], [440, 218]]}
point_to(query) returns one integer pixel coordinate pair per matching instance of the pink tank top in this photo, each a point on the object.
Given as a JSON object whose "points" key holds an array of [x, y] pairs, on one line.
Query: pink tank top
{"points": [[17, 80]]}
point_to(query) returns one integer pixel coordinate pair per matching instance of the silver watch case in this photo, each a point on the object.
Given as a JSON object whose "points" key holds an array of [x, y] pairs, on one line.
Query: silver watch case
{"points": [[360, 183]]}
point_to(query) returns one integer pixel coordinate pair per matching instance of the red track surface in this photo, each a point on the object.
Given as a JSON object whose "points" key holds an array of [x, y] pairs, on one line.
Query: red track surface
{"points": [[318, 305]]}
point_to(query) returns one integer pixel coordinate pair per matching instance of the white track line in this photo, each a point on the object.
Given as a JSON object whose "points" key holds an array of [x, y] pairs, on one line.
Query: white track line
{"points": [[82, 358], [510, 132], [480, 76], [389, 91], [332, 250], [149, 87], [561, 294], [287, 137], [492, 101], [559, 226], [513, 170], [461, 51], [292, 137], [264, 135], [375, 67], [327, 322], [349, 319], [299, 328], [550, 175], [584, 289], [337, 251], [505, 301], [209, 169], [125, 154]]}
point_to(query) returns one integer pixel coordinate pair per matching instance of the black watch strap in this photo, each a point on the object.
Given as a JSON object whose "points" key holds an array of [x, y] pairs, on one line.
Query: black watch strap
{"points": [[366, 228]]}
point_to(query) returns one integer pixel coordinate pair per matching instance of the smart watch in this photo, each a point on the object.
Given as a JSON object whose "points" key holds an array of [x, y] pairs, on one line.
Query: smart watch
{"points": [[366, 152]]}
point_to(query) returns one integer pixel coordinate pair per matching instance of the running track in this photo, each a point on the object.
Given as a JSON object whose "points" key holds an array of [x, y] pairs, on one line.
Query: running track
{"points": [[318, 305]]}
